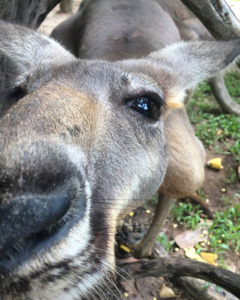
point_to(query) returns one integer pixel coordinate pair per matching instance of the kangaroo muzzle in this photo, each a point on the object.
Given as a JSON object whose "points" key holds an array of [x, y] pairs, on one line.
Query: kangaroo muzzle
{"points": [[40, 199]]}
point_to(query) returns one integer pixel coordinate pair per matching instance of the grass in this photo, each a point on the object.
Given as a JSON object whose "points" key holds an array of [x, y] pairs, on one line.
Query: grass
{"points": [[224, 233], [211, 126], [162, 239], [187, 214], [233, 177], [232, 84]]}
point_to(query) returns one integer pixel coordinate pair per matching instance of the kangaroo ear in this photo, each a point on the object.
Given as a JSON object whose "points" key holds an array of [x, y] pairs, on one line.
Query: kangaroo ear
{"points": [[183, 65], [23, 52]]}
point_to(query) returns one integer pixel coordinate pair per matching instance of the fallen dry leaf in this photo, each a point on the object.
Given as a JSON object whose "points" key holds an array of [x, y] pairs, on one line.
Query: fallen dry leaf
{"points": [[189, 238]]}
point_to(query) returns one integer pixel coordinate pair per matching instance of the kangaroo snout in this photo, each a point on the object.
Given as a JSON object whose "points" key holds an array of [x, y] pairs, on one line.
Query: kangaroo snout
{"points": [[41, 197]]}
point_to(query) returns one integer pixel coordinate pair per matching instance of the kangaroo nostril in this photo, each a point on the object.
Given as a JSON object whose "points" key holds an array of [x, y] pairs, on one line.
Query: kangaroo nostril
{"points": [[30, 213], [30, 223]]}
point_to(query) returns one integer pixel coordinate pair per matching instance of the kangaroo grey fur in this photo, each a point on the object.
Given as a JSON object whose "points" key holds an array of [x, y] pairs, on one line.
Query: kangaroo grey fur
{"points": [[26, 12], [70, 136]]}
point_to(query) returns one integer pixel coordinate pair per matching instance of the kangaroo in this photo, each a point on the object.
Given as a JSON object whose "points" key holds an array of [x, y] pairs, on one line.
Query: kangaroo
{"points": [[131, 37], [81, 143], [189, 26]]}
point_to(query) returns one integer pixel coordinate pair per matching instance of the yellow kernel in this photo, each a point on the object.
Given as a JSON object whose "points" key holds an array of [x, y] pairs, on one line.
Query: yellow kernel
{"points": [[125, 248], [176, 249], [175, 226], [148, 211], [125, 295]]}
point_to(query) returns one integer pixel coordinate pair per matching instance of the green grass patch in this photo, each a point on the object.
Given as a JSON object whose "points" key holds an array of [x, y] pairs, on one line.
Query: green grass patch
{"points": [[232, 80], [162, 239], [187, 214], [211, 125], [224, 233]]}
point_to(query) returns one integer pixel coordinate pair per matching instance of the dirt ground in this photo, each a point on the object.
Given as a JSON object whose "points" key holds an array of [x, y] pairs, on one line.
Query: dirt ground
{"points": [[149, 288]]}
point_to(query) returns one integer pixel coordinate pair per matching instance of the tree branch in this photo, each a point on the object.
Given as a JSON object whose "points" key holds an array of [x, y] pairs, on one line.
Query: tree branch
{"points": [[217, 17], [175, 267]]}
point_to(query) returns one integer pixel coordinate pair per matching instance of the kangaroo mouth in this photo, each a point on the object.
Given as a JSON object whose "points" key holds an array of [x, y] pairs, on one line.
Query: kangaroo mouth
{"points": [[39, 224]]}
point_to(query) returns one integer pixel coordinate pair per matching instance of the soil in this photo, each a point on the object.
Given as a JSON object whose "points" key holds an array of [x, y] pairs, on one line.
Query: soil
{"points": [[215, 181]]}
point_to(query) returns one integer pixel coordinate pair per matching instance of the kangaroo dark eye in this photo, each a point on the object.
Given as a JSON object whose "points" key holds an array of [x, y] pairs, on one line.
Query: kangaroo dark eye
{"points": [[146, 106]]}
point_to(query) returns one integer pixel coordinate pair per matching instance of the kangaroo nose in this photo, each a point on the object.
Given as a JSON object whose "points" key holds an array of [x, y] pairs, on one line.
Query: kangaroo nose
{"points": [[30, 222], [42, 194], [29, 214]]}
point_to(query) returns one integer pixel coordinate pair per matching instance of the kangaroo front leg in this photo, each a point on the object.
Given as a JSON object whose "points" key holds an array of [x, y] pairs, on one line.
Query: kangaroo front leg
{"points": [[144, 248]]}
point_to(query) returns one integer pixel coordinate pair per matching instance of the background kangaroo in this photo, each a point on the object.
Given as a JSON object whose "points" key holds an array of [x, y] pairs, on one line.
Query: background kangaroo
{"points": [[81, 142], [140, 28]]}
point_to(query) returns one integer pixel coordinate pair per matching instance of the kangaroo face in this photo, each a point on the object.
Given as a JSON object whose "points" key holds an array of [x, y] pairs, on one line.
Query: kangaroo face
{"points": [[76, 153]]}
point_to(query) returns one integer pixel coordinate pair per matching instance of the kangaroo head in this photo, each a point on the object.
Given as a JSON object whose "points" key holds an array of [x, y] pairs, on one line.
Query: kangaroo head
{"points": [[81, 142]]}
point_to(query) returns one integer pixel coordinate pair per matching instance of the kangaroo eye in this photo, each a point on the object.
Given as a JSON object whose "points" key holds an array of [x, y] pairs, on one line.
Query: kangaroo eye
{"points": [[146, 106]]}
